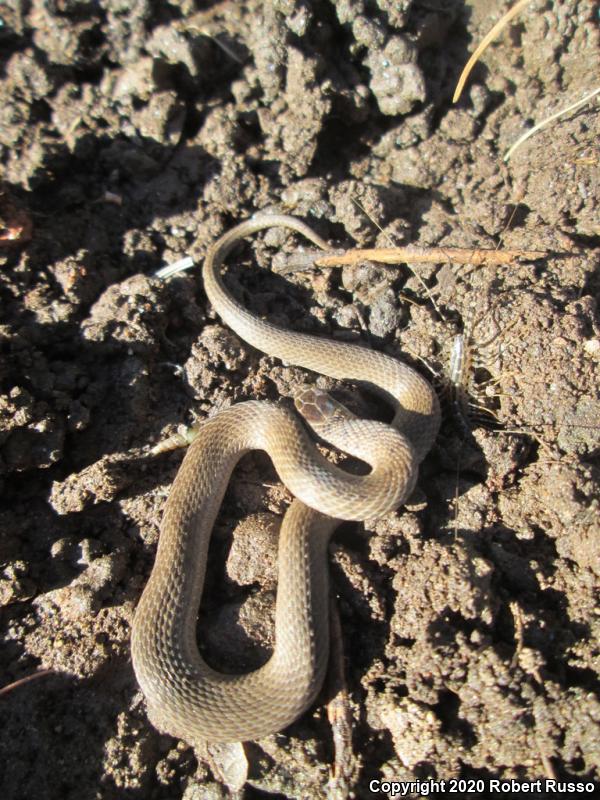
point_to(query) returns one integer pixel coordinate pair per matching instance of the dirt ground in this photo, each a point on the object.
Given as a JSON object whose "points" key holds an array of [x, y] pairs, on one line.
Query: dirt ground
{"points": [[132, 135]]}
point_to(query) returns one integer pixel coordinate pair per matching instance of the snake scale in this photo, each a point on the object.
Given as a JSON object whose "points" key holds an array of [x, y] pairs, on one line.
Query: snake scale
{"points": [[185, 696]]}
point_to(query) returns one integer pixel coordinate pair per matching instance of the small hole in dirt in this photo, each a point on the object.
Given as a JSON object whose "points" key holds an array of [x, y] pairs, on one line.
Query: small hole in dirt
{"points": [[40, 111], [577, 765], [400, 641], [447, 711], [582, 677], [351, 536], [516, 215], [443, 629]]}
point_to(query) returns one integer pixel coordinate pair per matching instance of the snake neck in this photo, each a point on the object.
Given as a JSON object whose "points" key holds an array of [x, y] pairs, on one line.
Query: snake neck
{"points": [[415, 404]]}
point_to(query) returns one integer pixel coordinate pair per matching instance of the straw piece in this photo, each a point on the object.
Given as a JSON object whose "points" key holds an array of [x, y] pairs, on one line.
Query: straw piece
{"points": [[512, 12], [550, 119]]}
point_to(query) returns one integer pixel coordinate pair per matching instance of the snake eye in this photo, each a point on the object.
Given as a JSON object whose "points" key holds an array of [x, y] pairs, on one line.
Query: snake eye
{"points": [[325, 403]]}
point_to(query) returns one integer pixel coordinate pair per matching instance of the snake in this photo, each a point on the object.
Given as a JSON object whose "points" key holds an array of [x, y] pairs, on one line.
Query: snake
{"points": [[185, 696]]}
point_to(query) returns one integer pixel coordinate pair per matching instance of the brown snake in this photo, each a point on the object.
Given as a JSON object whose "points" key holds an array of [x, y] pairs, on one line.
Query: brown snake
{"points": [[185, 696]]}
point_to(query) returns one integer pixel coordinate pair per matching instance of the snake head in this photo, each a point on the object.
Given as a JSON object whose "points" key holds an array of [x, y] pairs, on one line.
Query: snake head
{"points": [[319, 408]]}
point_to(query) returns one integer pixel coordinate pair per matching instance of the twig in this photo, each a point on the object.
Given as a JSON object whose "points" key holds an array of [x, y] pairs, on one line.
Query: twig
{"points": [[548, 766], [477, 257], [338, 711], [16, 684], [390, 240]]}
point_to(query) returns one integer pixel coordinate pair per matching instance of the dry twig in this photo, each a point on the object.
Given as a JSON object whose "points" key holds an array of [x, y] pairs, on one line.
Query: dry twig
{"points": [[16, 684], [477, 257]]}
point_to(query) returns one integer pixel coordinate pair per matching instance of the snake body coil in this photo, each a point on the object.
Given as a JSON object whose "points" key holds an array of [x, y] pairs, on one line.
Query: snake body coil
{"points": [[185, 697]]}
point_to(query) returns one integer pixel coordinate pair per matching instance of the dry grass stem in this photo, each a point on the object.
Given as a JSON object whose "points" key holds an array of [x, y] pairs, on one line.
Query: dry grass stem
{"points": [[512, 12], [550, 119]]}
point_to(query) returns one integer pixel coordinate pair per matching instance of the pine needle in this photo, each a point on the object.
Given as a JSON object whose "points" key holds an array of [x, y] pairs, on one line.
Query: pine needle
{"points": [[502, 23]]}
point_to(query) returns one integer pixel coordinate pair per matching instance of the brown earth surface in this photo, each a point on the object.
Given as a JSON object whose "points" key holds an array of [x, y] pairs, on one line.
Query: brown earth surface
{"points": [[132, 135]]}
